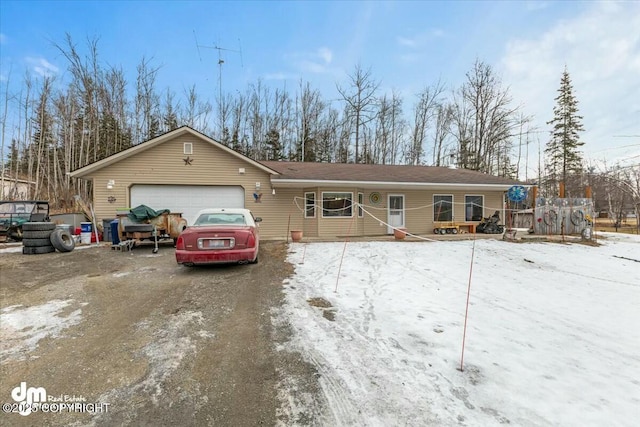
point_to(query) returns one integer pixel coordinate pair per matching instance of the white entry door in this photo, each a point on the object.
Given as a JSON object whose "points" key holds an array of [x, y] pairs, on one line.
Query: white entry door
{"points": [[395, 212]]}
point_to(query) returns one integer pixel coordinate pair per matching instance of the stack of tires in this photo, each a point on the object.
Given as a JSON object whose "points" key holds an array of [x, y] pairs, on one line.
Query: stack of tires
{"points": [[44, 237]]}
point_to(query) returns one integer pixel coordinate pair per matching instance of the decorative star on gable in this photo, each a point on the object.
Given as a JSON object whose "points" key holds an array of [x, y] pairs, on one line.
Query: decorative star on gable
{"points": [[188, 161]]}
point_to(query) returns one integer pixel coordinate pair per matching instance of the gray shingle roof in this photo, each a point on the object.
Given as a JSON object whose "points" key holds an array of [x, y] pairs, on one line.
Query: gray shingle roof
{"points": [[381, 173]]}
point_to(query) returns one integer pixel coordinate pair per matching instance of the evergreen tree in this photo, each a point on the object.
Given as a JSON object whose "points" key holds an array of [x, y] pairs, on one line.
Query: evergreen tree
{"points": [[563, 155]]}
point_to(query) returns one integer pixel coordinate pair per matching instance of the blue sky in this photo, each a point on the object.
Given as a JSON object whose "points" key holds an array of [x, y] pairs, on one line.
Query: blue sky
{"points": [[407, 45]]}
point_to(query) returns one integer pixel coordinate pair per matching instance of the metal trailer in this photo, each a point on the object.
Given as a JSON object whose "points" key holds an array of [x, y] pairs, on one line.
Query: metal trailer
{"points": [[164, 226]]}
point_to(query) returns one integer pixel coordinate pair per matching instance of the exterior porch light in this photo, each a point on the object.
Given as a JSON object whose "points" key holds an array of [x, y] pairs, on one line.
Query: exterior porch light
{"points": [[110, 184]]}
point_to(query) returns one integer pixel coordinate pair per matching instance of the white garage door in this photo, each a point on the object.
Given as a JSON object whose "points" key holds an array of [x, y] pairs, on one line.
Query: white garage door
{"points": [[187, 199]]}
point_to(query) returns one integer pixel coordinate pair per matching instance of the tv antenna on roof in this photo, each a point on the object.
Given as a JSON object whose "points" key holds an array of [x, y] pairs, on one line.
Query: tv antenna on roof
{"points": [[220, 60]]}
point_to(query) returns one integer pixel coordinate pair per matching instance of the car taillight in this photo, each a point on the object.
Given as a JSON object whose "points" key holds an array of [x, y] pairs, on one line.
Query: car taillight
{"points": [[251, 241], [180, 243]]}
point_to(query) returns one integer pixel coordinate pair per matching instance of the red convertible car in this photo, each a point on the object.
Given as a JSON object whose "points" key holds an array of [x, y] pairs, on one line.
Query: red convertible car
{"points": [[220, 236]]}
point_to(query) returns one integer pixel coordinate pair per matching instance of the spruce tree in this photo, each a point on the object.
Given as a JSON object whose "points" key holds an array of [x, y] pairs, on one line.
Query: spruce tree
{"points": [[563, 155]]}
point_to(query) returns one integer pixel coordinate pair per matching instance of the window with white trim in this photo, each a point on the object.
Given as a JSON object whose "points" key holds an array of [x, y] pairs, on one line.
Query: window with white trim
{"points": [[473, 208], [443, 207], [309, 205], [188, 148], [337, 205], [360, 203]]}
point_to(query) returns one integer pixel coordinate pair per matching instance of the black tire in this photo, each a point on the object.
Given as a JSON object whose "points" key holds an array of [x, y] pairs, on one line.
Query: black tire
{"points": [[37, 250], [41, 234], [443, 231], [32, 243], [62, 240], [436, 231], [38, 226], [255, 261], [454, 231]]}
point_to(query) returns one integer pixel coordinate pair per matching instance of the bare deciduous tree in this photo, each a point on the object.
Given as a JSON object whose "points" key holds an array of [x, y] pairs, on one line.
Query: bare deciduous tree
{"points": [[485, 119], [360, 102]]}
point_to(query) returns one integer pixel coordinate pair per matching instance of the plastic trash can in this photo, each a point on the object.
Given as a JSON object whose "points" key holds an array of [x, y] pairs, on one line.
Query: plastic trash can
{"points": [[106, 229], [115, 238]]}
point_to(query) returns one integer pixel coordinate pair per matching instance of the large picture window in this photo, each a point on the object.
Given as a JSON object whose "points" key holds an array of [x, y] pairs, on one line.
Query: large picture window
{"points": [[336, 205], [473, 207], [310, 205], [443, 207]]}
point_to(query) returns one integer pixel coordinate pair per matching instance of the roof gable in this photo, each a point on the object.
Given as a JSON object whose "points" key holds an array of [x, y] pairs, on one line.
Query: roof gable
{"points": [[169, 136]]}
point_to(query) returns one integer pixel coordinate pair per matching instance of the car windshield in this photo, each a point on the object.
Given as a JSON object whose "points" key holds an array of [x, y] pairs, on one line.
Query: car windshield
{"points": [[221, 219]]}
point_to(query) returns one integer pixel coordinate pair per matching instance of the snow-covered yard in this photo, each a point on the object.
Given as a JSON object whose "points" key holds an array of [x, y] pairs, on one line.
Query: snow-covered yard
{"points": [[553, 335]]}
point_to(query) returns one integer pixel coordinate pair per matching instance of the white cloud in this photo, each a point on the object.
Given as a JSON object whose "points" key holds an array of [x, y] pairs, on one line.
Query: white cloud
{"points": [[280, 76], [41, 66], [318, 61], [602, 55], [419, 40], [325, 54], [536, 5], [406, 41]]}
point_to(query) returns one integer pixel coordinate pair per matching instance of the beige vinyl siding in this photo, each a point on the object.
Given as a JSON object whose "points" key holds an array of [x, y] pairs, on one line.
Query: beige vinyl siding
{"points": [[421, 220], [275, 212], [310, 227], [164, 164], [370, 225], [418, 212], [419, 209]]}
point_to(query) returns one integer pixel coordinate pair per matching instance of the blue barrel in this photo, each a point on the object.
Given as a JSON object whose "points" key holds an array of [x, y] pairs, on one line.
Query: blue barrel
{"points": [[115, 238]]}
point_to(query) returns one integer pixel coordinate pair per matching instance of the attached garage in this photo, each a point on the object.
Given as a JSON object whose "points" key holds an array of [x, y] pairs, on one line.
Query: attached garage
{"points": [[187, 199]]}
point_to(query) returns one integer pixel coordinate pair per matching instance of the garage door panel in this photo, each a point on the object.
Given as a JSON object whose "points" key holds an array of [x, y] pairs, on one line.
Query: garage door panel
{"points": [[187, 199]]}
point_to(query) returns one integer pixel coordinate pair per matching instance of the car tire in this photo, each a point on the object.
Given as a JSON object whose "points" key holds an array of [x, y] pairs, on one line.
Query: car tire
{"points": [[255, 261], [40, 234], [37, 250], [32, 243], [62, 240], [38, 226]]}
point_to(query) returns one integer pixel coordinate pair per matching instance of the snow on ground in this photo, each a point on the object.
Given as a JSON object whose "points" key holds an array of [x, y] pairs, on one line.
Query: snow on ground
{"points": [[21, 328], [553, 335]]}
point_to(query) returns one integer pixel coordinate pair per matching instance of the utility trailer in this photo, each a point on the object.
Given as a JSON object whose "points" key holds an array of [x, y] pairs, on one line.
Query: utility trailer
{"points": [[445, 227], [133, 228], [449, 227]]}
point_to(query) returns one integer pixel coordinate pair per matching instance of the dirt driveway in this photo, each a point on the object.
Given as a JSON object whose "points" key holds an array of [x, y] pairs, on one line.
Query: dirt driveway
{"points": [[158, 343]]}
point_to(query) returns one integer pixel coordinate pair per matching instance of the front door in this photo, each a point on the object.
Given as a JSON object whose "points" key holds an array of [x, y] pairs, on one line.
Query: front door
{"points": [[395, 212]]}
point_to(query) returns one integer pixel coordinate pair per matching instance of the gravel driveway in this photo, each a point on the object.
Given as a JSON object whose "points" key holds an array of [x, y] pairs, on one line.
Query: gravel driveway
{"points": [[148, 342]]}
